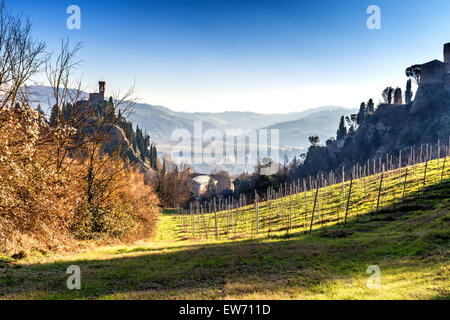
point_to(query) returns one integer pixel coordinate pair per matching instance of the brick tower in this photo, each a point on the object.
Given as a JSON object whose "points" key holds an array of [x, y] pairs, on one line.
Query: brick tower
{"points": [[101, 89]]}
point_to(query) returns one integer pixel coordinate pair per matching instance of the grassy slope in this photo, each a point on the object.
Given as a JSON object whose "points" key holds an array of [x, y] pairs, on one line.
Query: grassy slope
{"points": [[410, 244], [294, 214]]}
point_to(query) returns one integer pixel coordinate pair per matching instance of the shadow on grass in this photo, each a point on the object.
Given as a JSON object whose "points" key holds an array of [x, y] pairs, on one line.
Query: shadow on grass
{"points": [[170, 211]]}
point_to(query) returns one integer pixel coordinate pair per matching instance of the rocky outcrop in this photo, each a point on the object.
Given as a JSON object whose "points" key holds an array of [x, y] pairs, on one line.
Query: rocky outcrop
{"points": [[118, 141], [390, 129]]}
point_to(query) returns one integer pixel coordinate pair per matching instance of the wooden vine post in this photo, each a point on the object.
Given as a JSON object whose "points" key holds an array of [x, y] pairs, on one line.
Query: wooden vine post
{"points": [[404, 186], [192, 220], [256, 213], [348, 200], [290, 208], [215, 220], [227, 208], [204, 223], [443, 169], [343, 185], [314, 209], [306, 203], [425, 178], [379, 191]]}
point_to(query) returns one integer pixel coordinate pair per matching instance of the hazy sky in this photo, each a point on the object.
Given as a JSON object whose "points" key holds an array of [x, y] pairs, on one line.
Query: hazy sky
{"points": [[262, 56]]}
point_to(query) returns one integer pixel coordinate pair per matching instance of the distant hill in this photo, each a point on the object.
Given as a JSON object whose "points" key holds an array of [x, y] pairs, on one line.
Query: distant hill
{"points": [[159, 122], [43, 96]]}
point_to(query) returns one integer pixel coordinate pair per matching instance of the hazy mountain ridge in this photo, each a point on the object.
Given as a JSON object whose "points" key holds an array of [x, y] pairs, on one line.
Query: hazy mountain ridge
{"points": [[160, 122], [43, 96], [322, 123]]}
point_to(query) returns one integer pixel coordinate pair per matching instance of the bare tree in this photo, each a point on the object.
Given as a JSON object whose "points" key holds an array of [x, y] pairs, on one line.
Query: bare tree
{"points": [[21, 57], [55, 175], [90, 128], [172, 183]]}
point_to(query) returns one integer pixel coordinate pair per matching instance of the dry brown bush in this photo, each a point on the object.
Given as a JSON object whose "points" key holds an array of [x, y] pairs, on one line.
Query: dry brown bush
{"points": [[172, 183], [33, 199], [123, 206]]}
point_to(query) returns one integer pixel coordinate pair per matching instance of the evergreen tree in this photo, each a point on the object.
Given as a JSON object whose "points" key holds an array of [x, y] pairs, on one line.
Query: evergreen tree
{"points": [[146, 150], [67, 113], [398, 97], [370, 106], [361, 114], [54, 116], [211, 189], [342, 131], [387, 95], [151, 159], [414, 72], [294, 163], [408, 92], [155, 158], [40, 111], [134, 144], [314, 140], [140, 143]]}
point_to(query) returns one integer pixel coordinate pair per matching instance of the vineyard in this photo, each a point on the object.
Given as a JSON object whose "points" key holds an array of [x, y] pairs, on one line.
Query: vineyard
{"points": [[370, 191]]}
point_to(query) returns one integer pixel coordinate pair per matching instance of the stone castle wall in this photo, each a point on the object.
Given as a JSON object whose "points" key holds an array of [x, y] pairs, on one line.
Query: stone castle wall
{"points": [[447, 82], [433, 73]]}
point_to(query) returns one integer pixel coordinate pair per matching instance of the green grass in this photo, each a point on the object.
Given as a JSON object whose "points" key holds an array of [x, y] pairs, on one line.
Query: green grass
{"points": [[409, 242]]}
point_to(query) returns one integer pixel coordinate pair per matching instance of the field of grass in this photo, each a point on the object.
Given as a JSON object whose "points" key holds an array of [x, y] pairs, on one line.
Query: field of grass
{"points": [[409, 242]]}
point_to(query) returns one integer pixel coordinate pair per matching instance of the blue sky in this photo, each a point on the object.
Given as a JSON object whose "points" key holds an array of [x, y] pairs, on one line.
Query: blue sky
{"points": [[262, 56]]}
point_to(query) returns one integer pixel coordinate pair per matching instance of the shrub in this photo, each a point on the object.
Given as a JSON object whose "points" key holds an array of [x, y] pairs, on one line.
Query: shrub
{"points": [[45, 206]]}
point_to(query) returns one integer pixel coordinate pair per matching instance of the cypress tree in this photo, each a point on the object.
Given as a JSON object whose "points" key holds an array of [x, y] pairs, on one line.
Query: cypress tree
{"points": [[342, 131], [370, 106], [54, 115], [408, 92], [39, 109], [361, 114]]}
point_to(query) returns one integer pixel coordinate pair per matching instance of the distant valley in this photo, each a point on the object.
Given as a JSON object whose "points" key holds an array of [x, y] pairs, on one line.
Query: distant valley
{"points": [[294, 128]]}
